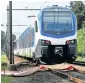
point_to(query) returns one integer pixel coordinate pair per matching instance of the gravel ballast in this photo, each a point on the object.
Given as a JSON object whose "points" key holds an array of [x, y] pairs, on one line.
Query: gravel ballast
{"points": [[40, 77]]}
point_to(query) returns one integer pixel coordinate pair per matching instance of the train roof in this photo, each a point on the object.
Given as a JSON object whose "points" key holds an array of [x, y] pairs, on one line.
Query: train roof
{"points": [[27, 30], [56, 8], [24, 33], [53, 8]]}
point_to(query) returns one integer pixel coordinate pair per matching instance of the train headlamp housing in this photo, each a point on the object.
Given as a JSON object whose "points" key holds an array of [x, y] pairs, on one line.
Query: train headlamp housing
{"points": [[45, 42], [70, 41]]}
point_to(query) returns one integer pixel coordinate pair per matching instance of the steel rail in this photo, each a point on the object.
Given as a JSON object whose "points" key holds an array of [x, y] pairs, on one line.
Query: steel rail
{"points": [[78, 68], [79, 63], [67, 76]]}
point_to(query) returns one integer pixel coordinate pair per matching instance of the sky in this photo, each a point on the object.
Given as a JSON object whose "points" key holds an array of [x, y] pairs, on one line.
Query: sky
{"points": [[20, 17]]}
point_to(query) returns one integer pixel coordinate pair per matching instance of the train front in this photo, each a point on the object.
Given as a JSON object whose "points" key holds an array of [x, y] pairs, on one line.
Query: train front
{"points": [[58, 29]]}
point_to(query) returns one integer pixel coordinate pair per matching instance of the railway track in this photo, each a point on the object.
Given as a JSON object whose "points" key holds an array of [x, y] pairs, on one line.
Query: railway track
{"points": [[73, 76], [22, 64], [58, 76], [72, 72], [79, 63]]}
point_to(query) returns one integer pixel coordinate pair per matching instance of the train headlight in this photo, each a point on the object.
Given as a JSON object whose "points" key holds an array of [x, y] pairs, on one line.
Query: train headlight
{"points": [[70, 41], [45, 42]]}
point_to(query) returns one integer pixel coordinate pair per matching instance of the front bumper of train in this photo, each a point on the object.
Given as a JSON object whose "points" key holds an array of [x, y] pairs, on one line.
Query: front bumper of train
{"points": [[66, 50]]}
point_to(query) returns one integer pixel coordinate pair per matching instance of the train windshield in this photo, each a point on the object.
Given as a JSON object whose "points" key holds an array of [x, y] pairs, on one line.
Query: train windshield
{"points": [[57, 21]]}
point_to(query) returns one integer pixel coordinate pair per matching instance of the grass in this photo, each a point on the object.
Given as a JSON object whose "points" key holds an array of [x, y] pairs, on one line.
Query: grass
{"points": [[3, 67], [6, 79], [4, 58], [79, 58]]}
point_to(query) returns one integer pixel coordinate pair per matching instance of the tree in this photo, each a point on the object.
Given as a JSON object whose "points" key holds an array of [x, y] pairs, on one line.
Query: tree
{"points": [[4, 43], [79, 9], [8, 44], [3, 39]]}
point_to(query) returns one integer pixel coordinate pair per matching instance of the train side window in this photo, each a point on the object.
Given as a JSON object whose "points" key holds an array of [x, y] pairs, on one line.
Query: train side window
{"points": [[36, 26]]}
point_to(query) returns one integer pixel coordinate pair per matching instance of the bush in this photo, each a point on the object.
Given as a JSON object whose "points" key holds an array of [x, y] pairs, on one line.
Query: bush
{"points": [[81, 42]]}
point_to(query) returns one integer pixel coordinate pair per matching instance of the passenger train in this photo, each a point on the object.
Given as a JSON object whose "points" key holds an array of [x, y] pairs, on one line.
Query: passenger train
{"points": [[51, 37]]}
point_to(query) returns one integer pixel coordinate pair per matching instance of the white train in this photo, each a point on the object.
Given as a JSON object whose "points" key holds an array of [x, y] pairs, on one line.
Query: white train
{"points": [[52, 37]]}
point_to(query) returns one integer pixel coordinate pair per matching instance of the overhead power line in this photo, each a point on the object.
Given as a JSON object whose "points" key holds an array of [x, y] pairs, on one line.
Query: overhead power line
{"points": [[43, 4], [31, 16], [13, 25], [40, 9], [24, 9], [17, 25]]}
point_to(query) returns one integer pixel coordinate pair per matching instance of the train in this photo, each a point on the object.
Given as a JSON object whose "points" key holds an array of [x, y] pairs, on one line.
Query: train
{"points": [[51, 37]]}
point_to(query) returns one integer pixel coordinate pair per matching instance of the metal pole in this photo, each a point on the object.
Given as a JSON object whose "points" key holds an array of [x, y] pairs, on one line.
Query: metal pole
{"points": [[10, 23], [84, 40], [7, 36]]}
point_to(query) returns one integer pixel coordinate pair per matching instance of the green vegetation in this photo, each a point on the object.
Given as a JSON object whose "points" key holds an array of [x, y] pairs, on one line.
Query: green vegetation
{"points": [[81, 42], [3, 61], [3, 38], [3, 67], [81, 45], [79, 58], [6, 79], [78, 7], [3, 58]]}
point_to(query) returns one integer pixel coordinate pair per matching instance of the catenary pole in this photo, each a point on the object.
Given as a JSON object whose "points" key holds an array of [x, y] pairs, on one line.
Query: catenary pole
{"points": [[10, 25]]}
